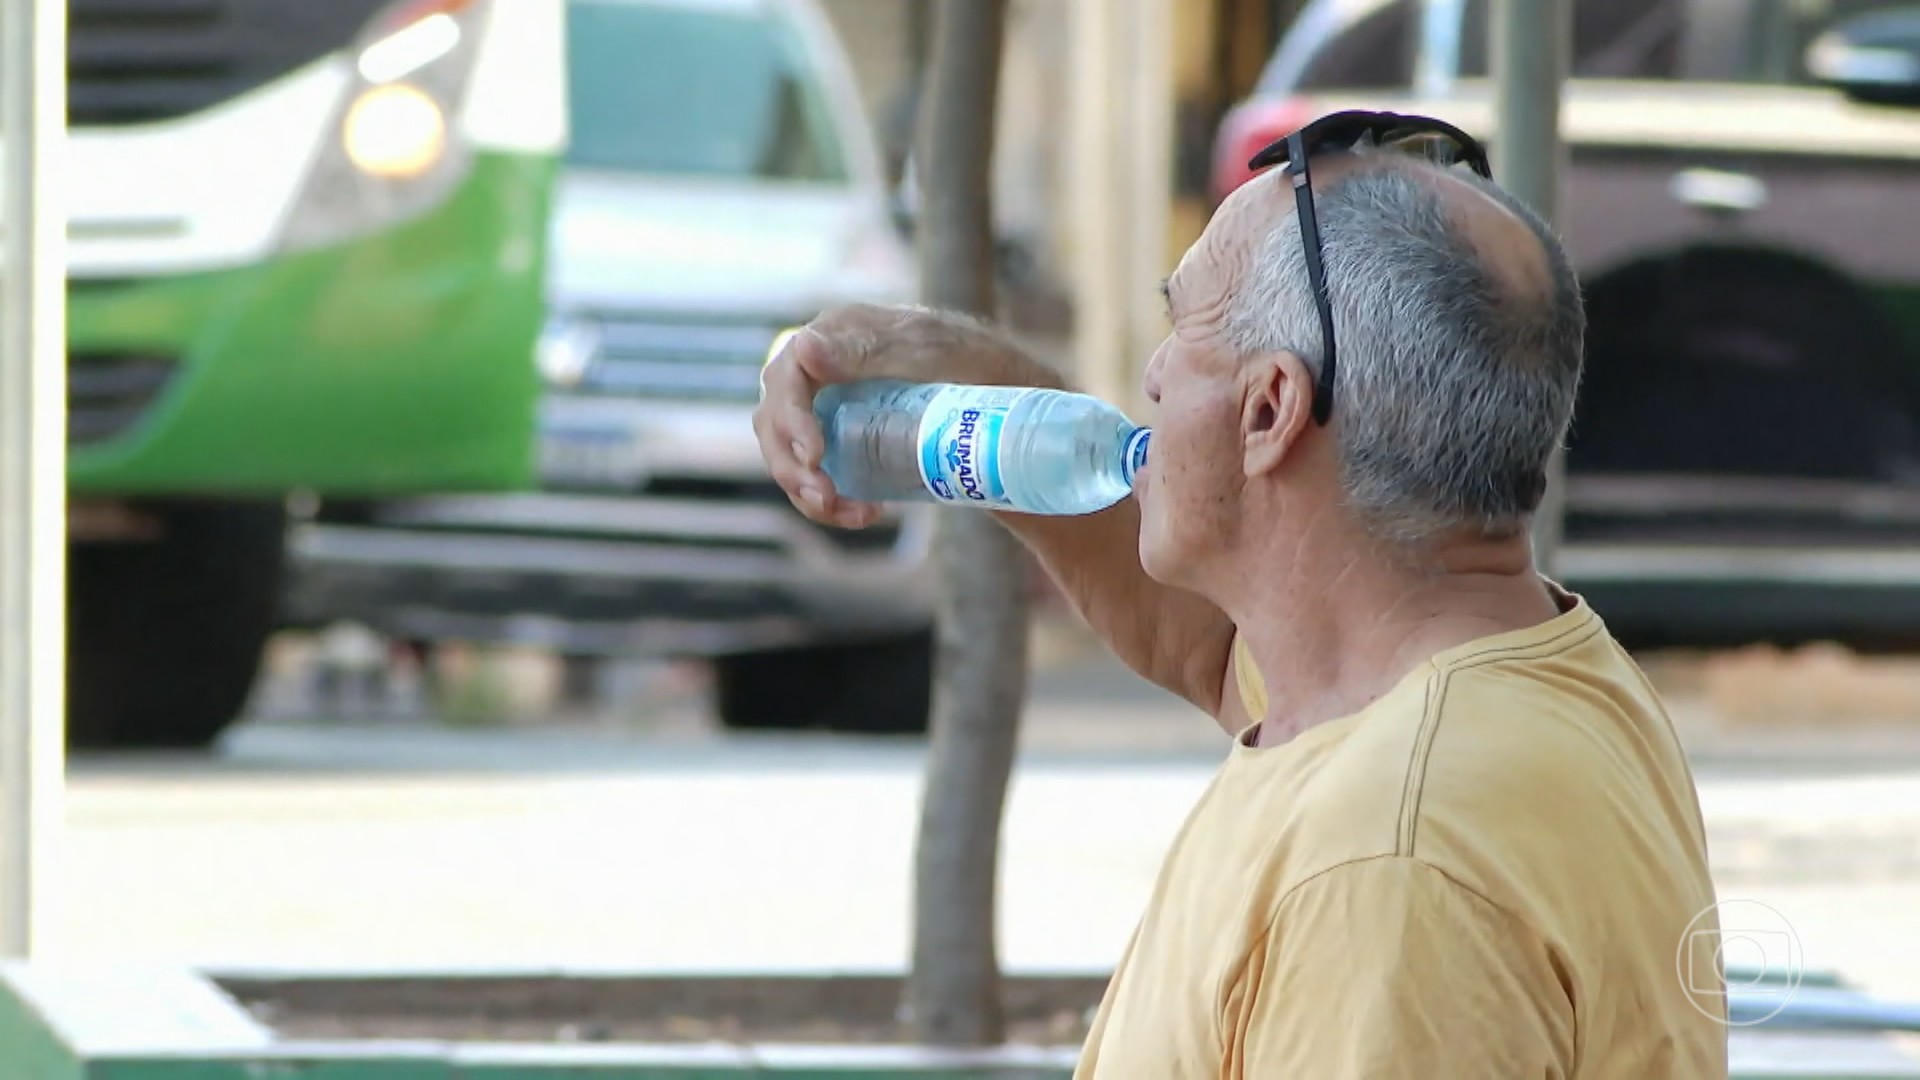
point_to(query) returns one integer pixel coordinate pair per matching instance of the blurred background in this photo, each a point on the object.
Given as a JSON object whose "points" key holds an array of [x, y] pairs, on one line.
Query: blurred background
{"points": [[430, 608]]}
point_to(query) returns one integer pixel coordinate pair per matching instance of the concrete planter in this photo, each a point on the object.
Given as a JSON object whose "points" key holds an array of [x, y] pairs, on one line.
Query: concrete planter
{"points": [[125, 1024]]}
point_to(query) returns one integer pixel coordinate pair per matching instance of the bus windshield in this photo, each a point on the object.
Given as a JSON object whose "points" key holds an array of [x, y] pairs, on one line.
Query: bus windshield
{"points": [[696, 89]]}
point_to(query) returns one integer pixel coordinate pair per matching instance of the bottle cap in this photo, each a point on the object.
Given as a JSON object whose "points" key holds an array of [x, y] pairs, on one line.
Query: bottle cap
{"points": [[1134, 457]]}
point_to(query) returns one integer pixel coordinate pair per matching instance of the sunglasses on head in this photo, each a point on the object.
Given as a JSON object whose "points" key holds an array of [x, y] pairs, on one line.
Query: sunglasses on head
{"points": [[1434, 139]]}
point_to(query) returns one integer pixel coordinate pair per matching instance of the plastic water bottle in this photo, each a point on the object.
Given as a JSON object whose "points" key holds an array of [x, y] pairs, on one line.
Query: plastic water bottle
{"points": [[998, 447]]}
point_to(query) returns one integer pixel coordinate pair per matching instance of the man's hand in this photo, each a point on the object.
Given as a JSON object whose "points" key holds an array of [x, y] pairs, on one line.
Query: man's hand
{"points": [[1169, 636], [866, 341]]}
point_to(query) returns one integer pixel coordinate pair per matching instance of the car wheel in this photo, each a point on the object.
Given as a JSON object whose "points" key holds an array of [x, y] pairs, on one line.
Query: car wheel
{"points": [[165, 636], [875, 688]]}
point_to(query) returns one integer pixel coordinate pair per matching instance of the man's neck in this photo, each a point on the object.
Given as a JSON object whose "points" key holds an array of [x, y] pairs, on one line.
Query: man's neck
{"points": [[1335, 631]]}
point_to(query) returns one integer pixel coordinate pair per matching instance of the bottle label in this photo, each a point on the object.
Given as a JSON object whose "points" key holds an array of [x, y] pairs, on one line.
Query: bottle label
{"points": [[960, 444]]}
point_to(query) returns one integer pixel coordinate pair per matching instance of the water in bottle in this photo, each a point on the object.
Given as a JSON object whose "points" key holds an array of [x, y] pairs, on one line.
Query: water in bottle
{"points": [[999, 447]]}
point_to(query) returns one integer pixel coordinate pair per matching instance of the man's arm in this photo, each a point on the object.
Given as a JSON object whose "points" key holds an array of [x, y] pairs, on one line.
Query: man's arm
{"points": [[1169, 636], [1386, 968]]}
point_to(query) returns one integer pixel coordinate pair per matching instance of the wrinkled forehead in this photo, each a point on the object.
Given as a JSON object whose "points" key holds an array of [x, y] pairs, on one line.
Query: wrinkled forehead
{"points": [[1226, 247]]}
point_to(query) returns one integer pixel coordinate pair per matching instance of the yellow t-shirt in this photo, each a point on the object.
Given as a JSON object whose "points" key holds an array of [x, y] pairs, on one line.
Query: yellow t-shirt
{"points": [[1492, 871]]}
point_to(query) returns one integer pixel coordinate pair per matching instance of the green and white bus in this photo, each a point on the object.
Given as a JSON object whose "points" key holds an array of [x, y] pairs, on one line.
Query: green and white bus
{"points": [[307, 247]]}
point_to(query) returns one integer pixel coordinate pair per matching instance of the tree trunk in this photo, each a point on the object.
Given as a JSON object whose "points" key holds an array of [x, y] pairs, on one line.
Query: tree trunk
{"points": [[953, 993]]}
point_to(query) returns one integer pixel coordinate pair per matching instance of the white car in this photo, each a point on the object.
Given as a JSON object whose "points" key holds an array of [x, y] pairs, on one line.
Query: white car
{"points": [[722, 183]]}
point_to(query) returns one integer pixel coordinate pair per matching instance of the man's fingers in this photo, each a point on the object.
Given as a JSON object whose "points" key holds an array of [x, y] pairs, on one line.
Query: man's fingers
{"points": [[790, 434], [805, 441], [809, 489], [784, 420], [813, 495], [790, 442], [849, 514]]}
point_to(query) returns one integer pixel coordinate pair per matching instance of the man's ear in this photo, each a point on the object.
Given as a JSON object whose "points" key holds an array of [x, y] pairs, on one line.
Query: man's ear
{"points": [[1277, 410]]}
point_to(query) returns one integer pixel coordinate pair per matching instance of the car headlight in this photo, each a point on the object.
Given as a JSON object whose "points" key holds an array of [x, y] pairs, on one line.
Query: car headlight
{"points": [[565, 351]]}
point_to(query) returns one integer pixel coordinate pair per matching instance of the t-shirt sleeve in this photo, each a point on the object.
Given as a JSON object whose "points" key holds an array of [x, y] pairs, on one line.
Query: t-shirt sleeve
{"points": [[1389, 968]]}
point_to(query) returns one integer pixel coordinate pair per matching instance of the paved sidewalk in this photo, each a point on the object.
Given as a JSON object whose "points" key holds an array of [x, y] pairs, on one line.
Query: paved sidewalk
{"points": [[363, 848]]}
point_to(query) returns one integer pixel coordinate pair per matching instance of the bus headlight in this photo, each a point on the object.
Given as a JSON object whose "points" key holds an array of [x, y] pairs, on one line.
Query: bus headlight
{"points": [[393, 150], [395, 131], [415, 45]]}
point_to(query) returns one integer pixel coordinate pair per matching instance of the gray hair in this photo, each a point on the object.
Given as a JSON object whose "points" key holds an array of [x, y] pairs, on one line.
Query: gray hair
{"points": [[1451, 392]]}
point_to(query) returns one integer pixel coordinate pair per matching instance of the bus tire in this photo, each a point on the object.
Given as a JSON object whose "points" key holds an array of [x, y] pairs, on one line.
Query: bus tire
{"points": [[165, 636], [880, 687]]}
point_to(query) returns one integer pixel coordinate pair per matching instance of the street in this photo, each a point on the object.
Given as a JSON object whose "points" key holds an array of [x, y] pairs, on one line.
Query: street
{"points": [[373, 846]]}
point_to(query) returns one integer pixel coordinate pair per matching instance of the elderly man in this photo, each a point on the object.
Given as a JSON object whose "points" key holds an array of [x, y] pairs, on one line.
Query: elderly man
{"points": [[1455, 835]]}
